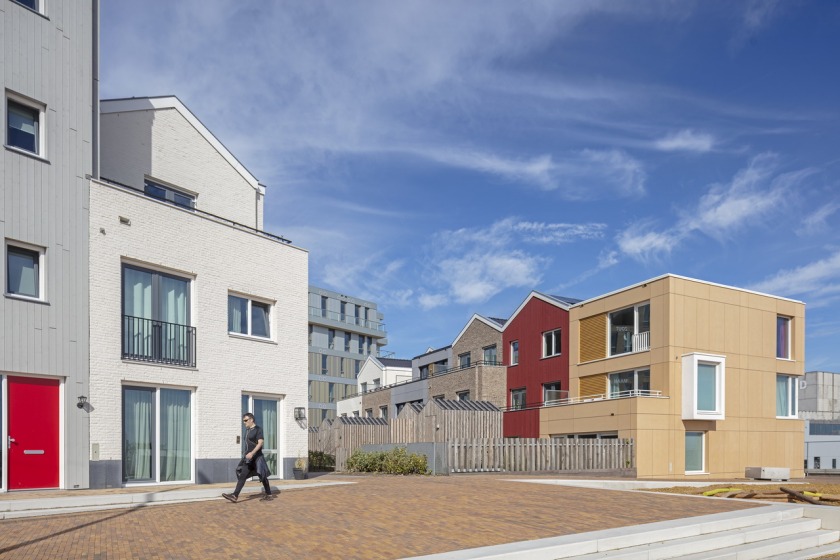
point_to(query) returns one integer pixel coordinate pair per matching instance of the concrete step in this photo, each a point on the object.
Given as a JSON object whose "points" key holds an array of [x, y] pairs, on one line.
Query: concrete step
{"points": [[807, 554], [801, 544], [35, 507], [722, 540]]}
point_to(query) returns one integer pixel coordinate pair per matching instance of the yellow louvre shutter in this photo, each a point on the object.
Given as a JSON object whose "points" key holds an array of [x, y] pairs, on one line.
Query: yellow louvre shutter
{"points": [[593, 338], [593, 385]]}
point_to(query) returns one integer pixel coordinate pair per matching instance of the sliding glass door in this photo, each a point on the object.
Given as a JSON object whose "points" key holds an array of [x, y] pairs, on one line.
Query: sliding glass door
{"points": [[157, 434]]}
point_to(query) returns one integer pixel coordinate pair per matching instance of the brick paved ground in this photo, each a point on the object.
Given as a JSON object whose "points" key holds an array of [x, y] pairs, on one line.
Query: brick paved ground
{"points": [[378, 517]]}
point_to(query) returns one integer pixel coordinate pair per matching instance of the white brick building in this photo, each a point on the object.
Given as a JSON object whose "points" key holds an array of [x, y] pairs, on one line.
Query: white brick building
{"points": [[196, 314]]}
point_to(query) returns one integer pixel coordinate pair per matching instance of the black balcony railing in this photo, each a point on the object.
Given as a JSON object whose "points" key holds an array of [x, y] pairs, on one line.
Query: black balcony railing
{"points": [[147, 340]]}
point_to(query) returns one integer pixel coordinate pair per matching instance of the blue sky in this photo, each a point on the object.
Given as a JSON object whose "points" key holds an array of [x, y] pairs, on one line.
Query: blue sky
{"points": [[445, 158]]}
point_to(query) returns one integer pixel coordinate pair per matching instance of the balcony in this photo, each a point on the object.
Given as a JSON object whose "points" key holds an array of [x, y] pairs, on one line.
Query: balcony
{"points": [[606, 396], [148, 340], [347, 319]]}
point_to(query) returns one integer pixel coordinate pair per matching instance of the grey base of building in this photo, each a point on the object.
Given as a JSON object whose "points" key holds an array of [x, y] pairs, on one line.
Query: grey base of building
{"points": [[108, 474]]}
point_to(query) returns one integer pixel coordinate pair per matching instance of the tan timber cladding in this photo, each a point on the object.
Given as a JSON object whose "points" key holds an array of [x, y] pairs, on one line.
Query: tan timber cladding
{"points": [[593, 338], [593, 385]]}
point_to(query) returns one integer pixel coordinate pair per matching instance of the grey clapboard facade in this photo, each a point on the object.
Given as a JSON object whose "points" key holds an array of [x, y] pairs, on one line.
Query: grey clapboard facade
{"points": [[49, 105]]}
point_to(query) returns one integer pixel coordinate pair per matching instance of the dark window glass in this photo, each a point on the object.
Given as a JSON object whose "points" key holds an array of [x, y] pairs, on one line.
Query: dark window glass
{"points": [[22, 126], [22, 272], [31, 4]]}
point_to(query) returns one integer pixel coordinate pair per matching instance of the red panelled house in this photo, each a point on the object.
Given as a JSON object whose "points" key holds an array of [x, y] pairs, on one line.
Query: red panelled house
{"points": [[535, 345]]}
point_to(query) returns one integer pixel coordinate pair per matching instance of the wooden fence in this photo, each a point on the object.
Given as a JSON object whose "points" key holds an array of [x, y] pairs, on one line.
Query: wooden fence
{"points": [[540, 455]]}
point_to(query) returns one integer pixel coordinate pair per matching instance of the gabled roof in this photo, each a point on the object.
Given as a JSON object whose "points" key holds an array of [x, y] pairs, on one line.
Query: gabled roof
{"points": [[465, 405], [501, 322], [394, 362], [565, 300], [562, 303], [171, 102], [476, 317], [359, 421], [432, 351]]}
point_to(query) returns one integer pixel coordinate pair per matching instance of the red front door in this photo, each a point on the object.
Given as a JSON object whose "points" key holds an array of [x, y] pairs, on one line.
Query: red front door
{"points": [[33, 433]]}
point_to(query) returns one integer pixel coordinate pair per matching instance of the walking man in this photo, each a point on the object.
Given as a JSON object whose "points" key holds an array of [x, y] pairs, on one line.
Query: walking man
{"points": [[253, 463]]}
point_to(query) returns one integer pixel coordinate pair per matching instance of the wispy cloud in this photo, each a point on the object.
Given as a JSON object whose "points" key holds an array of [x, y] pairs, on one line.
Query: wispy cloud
{"points": [[755, 192], [818, 283], [471, 265], [686, 141], [756, 15], [817, 222]]}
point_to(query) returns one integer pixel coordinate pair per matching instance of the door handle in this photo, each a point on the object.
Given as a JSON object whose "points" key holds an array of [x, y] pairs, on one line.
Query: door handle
{"points": [[11, 441]]}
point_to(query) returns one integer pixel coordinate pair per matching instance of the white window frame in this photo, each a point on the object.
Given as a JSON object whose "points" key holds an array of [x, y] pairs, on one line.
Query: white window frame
{"points": [[484, 353], [157, 411], [270, 312], [39, 6], [690, 363], [468, 356], [42, 270], [545, 390], [635, 373], [702, 451], [556, 336], [635, 327], [788, 346], [524, 392], [169, 193], [460, 394], [514, 354], [792, 387], [281, 436], [41, 109]]}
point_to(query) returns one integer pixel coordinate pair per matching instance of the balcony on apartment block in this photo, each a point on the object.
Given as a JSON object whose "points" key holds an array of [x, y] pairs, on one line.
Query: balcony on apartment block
{"points": [[149, 340], [329, 318]]}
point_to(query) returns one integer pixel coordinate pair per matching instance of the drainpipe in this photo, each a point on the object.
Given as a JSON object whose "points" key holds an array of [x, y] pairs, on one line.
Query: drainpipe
{"points": [[95, 91]]}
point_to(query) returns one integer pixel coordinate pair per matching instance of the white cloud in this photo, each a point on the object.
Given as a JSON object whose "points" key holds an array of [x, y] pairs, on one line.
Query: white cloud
{"points": [[817, 222], [471, 265], [430, 301], [753, 194], [686, 140], [813, 282]]}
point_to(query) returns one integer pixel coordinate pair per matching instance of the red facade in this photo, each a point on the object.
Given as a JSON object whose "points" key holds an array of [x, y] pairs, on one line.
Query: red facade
{"points": [[527, 326]]}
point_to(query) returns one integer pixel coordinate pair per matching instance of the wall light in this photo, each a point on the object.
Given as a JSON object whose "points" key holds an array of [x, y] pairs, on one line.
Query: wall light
{"points": [[300, 413], [82, 401]]}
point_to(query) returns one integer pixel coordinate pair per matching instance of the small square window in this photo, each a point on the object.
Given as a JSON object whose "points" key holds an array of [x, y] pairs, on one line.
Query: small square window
{"points": [[490, 355], [704, 385], [517, 399], [248, 317], [23, 125], [464, 360], [463, 395], [24, 271]]}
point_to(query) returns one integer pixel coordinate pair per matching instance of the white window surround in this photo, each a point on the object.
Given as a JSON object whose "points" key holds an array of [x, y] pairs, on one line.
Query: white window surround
{"points": [[269, 312], [42, 270], [691, 391], [702, 452], [787, 396], [38, 9], [41, 109], [640, 340], [556, 348], [514, 352], [784, 353]]}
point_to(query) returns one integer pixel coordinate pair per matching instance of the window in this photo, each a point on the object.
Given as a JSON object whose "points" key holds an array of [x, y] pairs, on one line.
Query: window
{"points": [[331, 338], [356, 413], [703, 386], [464, 360], [265, 416], [324, 366], [490, 354], [310, 335], [463, 395], [517, 399], [344, 311], [694, 452], [361, 344], [383, 412], [439, 397], [783, 337], [24, 123], [364, 387], [156, 434], [424, 372], [357, 366], [323, 306], [368, 413], [156, 317], [551, 392], [786, 396], [630, 329], [169, 194], [514, 352], [551, 343], [629, 383], [248, 317], [376, 383], [346, 341], [31, 4], [25, 270]]}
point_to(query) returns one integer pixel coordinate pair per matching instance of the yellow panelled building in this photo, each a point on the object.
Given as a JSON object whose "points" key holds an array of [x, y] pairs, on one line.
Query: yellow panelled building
{"points": [[703, 377]]}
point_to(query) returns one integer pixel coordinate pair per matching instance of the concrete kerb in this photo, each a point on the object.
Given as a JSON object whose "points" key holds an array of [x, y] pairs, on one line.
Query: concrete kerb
{"points": [[11, 509]]}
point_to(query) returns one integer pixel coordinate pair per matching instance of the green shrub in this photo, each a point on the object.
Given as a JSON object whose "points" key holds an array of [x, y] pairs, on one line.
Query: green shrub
{"points": [[320, 461], [396, 461]]}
